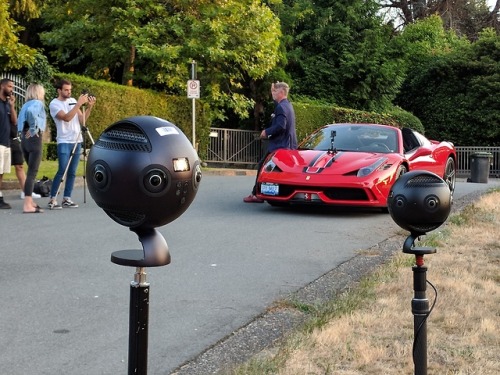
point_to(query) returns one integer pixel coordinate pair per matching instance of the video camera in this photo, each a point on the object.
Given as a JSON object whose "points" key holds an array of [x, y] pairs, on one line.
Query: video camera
{"points": [[88, 93]]}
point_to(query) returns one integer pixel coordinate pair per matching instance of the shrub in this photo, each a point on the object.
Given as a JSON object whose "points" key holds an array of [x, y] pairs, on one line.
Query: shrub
{"points": [[310, 117]]}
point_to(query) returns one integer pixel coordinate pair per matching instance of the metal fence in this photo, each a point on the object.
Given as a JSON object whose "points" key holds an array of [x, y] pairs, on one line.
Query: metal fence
{"points": [[234, 147], [464, 156], [243, 148]]}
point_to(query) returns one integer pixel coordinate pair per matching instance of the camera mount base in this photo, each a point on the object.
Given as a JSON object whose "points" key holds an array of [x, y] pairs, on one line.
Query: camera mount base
{"points": [[155, 253], [419, 304]]}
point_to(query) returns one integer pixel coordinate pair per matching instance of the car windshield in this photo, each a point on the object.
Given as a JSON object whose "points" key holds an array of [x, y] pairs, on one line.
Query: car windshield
{"points": [[363, 138]]}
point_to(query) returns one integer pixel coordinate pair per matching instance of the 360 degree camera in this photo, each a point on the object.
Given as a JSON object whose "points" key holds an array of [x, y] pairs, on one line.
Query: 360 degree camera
{"points": [[419, 201], [143, 172]]}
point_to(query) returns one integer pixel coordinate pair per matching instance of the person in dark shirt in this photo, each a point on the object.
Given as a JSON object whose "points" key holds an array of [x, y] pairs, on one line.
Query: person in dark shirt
{"points": [[8, 118], [281, 133]]}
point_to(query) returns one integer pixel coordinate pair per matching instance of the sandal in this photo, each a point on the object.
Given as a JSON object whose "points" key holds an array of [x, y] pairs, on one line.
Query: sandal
{"points": [[38, 210]]}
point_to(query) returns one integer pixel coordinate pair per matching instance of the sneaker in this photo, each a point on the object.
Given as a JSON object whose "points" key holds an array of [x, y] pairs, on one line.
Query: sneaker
{"points": [[4, 206], [33, 195], [54, 206], [68, 203], [252, 199]]}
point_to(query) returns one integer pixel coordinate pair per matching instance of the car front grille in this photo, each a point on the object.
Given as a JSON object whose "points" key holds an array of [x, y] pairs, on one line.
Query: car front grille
{"points": [[333, 193]]}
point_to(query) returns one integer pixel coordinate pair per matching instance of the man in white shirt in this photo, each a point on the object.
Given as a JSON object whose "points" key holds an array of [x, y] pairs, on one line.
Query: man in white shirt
{"points": [[68, 116]]}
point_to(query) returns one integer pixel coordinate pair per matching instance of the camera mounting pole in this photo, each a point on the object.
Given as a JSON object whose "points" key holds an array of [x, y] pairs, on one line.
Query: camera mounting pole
{"points": [[144, 173], [155, 253], [420, 202], [419, 304]]}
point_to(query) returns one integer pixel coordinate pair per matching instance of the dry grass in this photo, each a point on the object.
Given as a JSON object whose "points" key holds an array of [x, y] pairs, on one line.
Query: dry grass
{"points": [[463, 329]]}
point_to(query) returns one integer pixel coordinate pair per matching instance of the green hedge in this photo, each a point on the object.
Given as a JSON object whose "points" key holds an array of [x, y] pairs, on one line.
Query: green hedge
{"points": [[49, 151], [116, 102], [310, 117]]}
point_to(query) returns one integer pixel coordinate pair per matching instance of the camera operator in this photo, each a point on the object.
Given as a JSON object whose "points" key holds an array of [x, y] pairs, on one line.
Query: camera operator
{"points": [[68, 117]]}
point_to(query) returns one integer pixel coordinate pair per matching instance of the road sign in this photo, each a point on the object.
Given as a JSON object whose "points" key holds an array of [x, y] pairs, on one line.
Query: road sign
{"points": [[193, 89]]}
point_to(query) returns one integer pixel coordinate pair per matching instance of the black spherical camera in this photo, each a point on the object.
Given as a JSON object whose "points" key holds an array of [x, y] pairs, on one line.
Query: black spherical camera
{"points": [[419, 201], [144, 173]]}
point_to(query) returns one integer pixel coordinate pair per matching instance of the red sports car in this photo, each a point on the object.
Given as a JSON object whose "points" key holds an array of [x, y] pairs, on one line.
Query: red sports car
{"points": [[351, 165]]}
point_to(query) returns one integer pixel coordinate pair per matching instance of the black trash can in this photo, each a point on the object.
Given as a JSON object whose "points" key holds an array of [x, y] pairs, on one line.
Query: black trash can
{"points": [[480, 166]]}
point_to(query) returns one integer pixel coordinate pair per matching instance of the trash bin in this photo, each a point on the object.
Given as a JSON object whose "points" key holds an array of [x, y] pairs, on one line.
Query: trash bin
{"points": [[480, 166]]}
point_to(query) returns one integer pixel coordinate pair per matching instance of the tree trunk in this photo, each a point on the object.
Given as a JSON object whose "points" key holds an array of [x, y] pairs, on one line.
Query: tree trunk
{"points": [[258, 108], [128, 68]]}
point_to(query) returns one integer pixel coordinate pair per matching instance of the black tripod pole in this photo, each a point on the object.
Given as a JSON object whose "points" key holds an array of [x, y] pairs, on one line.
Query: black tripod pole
{"points": [[85, 132], [420, 310], [154, 253], [419, 304], [138, 324]]}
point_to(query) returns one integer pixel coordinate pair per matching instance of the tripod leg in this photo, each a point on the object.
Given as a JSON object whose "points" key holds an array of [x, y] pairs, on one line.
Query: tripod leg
{"points": [[66, 169], [84, 132]]}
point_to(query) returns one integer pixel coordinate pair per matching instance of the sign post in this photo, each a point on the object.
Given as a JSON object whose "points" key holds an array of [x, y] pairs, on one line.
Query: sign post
{"points": [[193, 92]]}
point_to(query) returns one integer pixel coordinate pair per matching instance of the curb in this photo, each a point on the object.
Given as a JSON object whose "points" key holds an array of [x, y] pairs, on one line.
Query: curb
{"points": [[14, 184]]}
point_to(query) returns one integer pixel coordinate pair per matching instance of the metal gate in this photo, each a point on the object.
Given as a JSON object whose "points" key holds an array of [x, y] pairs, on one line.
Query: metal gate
{"points": [[230, 147]]}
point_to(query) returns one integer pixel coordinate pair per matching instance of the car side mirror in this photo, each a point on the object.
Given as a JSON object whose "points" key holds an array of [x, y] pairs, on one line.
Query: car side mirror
{"points": [[421, 151]]}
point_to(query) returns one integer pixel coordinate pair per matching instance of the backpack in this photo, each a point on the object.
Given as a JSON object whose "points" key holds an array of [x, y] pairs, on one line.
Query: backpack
{"points": [[43, 186]]}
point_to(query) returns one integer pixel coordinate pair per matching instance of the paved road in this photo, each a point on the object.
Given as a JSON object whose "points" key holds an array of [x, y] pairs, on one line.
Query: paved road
{"points": [[64, 306]]}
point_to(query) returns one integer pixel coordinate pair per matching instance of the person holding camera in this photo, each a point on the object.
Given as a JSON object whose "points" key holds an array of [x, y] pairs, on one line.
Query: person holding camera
{"points": [[31, 125], [68, 116]]}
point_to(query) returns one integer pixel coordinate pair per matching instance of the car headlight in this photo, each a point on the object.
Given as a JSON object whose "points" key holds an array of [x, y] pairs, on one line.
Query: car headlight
{"points": [[365, 171], [271, 166]]}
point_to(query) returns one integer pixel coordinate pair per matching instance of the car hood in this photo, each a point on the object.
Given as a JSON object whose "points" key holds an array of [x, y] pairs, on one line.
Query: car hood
{"points": [[339, 163]]}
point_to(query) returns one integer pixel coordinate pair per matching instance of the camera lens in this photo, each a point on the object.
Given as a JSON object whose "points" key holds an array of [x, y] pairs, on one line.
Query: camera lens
{"points": [[100, 176], [197, 176], [155, 181]]}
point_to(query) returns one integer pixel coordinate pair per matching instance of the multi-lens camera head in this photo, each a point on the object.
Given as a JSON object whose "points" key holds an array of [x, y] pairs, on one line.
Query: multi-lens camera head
{"points": [[419, 201], [143, 172]]}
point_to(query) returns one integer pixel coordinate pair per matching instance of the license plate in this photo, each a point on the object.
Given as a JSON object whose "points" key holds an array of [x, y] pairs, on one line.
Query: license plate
{"points": [[269, 189]]}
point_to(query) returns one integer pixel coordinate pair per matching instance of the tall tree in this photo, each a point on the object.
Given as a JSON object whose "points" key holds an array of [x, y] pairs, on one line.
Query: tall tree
{"points": [[13, 54], [25, 9], [455, 94], [338, 51], [465, 17], [150, 43]]}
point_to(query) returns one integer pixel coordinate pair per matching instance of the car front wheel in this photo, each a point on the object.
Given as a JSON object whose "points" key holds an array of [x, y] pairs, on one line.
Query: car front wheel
{"points": [[401, 171], [450, 174]]}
